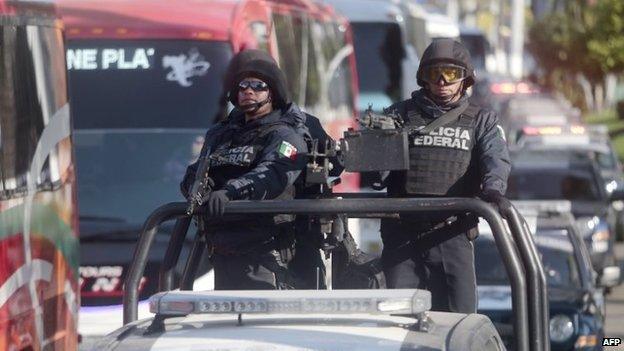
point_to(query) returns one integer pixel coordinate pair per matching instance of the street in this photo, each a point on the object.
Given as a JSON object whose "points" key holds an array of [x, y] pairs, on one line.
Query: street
{"points": [[615, 306]]}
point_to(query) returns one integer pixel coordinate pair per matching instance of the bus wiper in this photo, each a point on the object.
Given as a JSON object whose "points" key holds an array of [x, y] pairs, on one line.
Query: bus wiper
{"points": [[131, 235], [101, 219]]}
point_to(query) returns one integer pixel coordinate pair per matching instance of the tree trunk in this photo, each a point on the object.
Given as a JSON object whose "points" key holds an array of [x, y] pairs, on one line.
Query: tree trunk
{"points": [[599, 96], [587, 91]]}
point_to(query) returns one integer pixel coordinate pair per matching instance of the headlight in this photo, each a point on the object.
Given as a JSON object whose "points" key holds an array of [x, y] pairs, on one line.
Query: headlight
{"points": [[561, 328]]}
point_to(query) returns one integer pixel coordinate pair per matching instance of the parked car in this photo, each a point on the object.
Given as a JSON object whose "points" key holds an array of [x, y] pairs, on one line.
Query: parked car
{"points": [[534, 111], [576, 302]]}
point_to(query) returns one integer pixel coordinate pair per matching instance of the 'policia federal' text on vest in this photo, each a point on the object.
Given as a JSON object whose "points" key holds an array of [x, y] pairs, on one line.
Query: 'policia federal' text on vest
{"points": [[238, 152], [442, 162]]}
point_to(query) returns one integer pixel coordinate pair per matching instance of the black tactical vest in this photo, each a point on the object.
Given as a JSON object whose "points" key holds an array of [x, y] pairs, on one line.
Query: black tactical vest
{"points": [[442, 162], [237, 152]]}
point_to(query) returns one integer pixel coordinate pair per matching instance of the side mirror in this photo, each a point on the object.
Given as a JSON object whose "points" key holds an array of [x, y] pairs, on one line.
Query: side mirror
{"points": [[610, 277], [617, 195]]}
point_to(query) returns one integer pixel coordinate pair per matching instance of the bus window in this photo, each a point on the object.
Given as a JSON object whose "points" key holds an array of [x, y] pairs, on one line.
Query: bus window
{"points": [[288, 32], [379, 52], [166, 83], [39, 243], [26, 105], [260, 32], [337, 53], [314, 88], [478, 47]]}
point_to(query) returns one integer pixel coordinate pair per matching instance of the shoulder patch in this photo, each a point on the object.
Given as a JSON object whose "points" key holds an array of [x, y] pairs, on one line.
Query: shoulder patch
{"points": [[287, 149]]}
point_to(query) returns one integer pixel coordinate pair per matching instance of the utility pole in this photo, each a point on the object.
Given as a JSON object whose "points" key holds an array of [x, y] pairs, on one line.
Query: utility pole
{"points": [[452, 10], [517, 38]]}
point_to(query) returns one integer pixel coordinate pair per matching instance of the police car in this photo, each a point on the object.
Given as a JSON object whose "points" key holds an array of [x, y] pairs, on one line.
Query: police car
{"points": [[591, 140], [577, 305], [571, 179], [302, 320]]}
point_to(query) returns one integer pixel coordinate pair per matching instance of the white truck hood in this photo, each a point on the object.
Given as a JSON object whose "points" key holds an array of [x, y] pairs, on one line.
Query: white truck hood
{"points": [[284, 332]]}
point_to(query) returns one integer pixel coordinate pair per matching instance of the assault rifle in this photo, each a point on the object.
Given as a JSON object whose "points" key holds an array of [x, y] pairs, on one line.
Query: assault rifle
{"points": [[202, 186]]}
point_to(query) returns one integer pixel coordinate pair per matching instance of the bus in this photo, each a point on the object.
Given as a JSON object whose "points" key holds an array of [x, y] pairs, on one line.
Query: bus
{"points": [[38, 225], [390, 36], [145, 82], [386, 60]]}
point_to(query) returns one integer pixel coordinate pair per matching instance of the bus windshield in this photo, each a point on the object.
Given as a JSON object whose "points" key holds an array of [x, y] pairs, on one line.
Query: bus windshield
{"points": [[145, 83], [378, 52], [140, 108]]}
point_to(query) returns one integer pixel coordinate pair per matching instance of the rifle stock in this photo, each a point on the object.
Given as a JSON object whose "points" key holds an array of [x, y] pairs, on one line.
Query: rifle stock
{"points": [[201, 186]]}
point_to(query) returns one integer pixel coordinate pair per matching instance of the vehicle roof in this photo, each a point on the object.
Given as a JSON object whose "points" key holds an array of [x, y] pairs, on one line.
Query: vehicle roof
{"points": [[555, 234], [40, 12], [555, 220], [551, 159], [283, 332], [535, 104], [367, 10], [191, 19], [148, 18], [594, 145]]}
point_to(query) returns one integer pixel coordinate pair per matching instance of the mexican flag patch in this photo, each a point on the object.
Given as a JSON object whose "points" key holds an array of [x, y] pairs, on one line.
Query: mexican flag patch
{"points": [[286, 149]]}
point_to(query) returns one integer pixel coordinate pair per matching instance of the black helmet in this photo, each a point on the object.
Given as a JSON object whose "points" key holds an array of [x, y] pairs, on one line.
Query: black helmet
{"points": [[447, 50], [259, 64]]}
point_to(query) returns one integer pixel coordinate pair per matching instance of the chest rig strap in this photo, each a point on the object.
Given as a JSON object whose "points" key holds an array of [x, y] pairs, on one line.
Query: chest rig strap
{"points": [[443, 120]]}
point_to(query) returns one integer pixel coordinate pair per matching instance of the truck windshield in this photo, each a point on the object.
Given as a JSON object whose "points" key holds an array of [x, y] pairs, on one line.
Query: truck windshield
{"points": [[560, 265], [553, 185]]}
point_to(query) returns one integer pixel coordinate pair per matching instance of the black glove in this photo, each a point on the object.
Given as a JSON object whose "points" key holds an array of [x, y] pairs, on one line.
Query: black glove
{"points": [[215, 203], [497, 199]]}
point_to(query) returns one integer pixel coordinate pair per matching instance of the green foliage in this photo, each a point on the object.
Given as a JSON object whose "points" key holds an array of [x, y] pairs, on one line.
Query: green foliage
{"points": [[606, 42], [581, 39], [615, 126]]}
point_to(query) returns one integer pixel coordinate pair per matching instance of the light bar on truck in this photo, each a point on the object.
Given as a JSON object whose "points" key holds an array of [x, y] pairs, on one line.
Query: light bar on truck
{"points": [[378, 301], [554, 130], [543, 206], [506, 88]]}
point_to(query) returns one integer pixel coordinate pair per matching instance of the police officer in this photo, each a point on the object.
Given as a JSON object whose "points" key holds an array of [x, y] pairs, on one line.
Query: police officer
{"points": [[257, 153], [464, 154], [307, 266]]}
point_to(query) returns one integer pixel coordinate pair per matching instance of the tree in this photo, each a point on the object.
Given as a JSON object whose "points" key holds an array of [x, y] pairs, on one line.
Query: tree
{"points": [[606, 42], [580, 44]]}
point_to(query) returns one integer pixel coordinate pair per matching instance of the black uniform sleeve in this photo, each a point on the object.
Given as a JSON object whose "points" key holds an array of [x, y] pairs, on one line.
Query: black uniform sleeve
{"points": [[494, 161], [317, 132], [280, 163]]}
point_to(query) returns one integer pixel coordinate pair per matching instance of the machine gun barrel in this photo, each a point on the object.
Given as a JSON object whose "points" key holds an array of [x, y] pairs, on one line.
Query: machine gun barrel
{"points": [[387, 120]]}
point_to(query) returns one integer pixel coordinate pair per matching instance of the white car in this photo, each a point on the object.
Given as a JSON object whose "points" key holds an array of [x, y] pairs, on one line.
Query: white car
{"points": [[302, 320]]}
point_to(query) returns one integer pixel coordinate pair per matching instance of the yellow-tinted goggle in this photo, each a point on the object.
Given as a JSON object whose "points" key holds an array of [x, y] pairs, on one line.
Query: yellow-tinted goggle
{"points": [[450, 73]]}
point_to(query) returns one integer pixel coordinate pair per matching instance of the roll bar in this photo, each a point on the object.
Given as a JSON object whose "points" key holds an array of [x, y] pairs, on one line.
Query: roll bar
{"points": [[525, 270]]}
